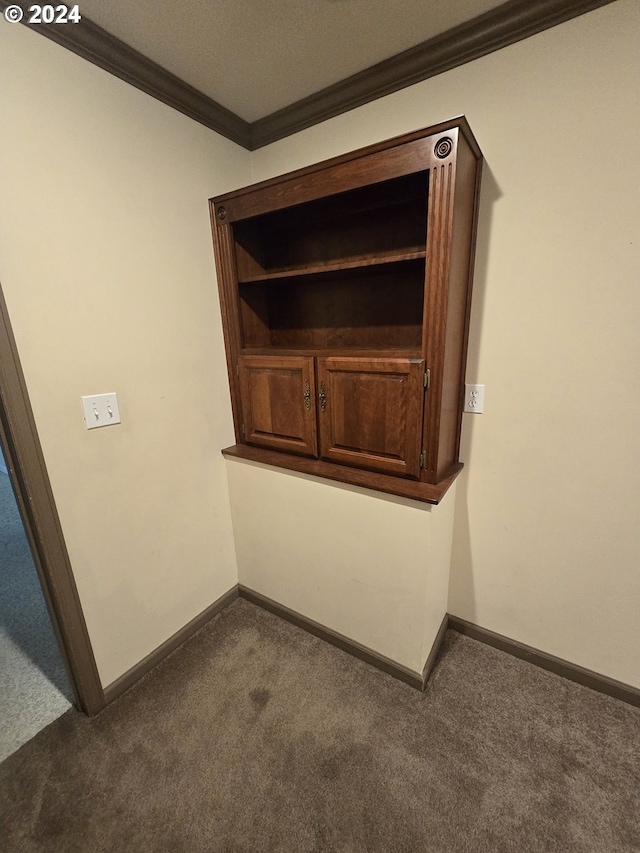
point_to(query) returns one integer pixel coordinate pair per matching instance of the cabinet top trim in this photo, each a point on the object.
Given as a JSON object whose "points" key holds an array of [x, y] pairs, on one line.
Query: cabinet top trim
{"points": [[242, 203]]}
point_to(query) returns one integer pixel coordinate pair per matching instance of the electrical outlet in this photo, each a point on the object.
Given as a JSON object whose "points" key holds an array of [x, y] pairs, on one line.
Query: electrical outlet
{"points": [[474, 399], [100, 410]]}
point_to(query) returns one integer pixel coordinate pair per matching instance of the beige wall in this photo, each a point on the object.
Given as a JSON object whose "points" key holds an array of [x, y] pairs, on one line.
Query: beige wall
{"points": [[108, 273], [370, 566], [545, 543]]}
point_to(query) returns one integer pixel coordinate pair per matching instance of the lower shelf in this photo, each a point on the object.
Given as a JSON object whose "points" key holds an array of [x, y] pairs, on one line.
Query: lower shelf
{"points": [[425, 492]]}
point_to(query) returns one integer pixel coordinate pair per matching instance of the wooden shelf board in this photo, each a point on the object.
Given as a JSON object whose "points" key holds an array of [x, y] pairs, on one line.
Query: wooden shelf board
{"points": [[343, 352], [328, 268], [424, 492]]}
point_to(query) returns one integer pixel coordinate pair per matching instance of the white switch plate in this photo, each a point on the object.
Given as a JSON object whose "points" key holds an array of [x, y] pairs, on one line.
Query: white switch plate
{"points": [[100, 410], [474, 399]]}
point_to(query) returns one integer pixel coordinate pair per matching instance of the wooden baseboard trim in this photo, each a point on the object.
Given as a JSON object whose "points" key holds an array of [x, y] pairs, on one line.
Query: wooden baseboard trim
{"points": [[586, 677], [351, 647], [602, 683], [435, 649], [133, 675]]}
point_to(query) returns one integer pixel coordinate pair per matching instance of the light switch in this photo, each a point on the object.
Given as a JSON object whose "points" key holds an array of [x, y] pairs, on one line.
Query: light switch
{"points": [[100, 410]]}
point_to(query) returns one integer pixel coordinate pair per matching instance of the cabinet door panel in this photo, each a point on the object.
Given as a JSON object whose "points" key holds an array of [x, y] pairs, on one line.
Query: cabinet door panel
{"points": [[278, 403], [371, 413]]}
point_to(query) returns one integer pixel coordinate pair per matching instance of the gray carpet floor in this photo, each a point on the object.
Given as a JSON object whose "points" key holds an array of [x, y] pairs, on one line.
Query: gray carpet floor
{"points": [[34, 689], [256, 736]]}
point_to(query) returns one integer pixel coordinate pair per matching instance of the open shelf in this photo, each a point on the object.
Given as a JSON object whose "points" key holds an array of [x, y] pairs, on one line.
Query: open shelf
{"points": [[375, 307], [381, 223], [396, 257]]}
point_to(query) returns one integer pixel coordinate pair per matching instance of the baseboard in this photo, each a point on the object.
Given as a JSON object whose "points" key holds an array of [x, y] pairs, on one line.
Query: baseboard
{"points": [[133, 675], [373, 658], [435, 649], [571, 671], [594, 680]]}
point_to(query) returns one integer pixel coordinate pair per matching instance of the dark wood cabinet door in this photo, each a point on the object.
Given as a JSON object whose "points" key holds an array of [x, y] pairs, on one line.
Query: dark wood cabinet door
{"points": [[370, 413], [278, 403]]}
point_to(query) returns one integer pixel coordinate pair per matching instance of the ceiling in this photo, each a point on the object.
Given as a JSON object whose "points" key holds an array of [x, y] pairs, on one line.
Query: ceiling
{"points": [[258, 70], [257, 56]]}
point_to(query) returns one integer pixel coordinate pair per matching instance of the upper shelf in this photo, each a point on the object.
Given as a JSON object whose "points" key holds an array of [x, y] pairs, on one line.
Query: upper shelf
{"points": [[396, 257], [381, 223]]}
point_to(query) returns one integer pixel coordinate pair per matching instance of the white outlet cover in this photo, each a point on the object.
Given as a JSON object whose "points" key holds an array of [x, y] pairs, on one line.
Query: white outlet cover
{"points": [[100, 410], [474, 399]]}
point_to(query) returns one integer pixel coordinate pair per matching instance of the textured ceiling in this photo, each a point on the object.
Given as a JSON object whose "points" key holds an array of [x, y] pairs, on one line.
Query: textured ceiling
{"points": [[257, 56]]}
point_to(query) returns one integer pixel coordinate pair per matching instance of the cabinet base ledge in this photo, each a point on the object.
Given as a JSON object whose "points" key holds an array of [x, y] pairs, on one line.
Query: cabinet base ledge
{"points": [[426, 492]]}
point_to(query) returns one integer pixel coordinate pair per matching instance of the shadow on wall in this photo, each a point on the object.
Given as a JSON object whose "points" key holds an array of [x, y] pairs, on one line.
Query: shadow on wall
{"points": [[24, 617], [461, 577]]}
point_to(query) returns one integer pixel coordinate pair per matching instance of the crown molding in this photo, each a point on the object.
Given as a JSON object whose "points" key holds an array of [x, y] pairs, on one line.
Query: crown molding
{"points": [[95, 44], [506, 24]]}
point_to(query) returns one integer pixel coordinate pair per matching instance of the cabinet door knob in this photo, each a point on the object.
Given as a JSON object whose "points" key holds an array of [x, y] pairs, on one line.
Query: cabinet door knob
{"points": [[307, 396], [322, 396]]}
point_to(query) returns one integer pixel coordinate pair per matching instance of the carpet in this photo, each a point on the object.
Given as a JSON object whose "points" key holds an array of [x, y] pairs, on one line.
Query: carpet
{"points": [[34, 689], [256, 736]]}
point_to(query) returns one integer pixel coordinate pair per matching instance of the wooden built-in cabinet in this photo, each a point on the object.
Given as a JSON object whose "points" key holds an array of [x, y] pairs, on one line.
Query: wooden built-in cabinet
{"points": [[345, 291]]}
